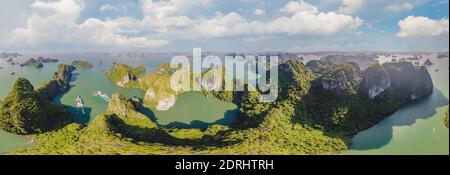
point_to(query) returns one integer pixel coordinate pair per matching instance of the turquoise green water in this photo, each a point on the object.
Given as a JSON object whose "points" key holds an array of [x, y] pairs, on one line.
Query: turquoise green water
{"points": [[87, 82], [200, 111], [414, 129], [185, 113], [9, 142], [191, 110]]}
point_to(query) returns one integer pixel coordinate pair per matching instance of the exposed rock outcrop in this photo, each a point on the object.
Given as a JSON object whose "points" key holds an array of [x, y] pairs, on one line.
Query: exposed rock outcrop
{"points": [[60, 82], [409, 82], [404, 80], [126, 79], [159, 94], [375, 81], [126, 76], [212, 79], [161, 101], [46, 60], [125, 110], [32, 63]]}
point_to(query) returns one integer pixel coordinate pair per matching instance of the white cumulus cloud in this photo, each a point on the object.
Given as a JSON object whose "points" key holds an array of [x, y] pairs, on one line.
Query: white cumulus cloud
{"points": [[397, 7], [298, 6], [303, 19], [56, 23], [422, 27], [350, 6]]}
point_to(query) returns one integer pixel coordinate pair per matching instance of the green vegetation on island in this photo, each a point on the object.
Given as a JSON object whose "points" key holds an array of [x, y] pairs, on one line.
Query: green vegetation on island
{"points": [[156, 85], [29, 111], [59, 83], [125, 76], [314, 114], [125, 131], [25, 111], [80, 64]]}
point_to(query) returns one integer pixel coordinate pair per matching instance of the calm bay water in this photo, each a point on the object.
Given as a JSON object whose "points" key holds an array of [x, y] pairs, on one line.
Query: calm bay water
{"points": [[192, 109], [414, 129]]}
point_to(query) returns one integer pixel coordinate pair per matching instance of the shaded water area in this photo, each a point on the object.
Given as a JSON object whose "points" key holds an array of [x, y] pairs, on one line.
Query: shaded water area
{"points": [[416, 128], [192, 109]]}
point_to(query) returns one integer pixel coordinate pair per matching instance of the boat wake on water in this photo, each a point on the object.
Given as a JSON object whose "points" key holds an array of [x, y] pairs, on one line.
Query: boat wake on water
{"points": [[102, 95]]}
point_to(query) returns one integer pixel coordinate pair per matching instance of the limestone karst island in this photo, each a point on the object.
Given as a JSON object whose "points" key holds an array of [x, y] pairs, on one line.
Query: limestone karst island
{"points": [[204, 77]]}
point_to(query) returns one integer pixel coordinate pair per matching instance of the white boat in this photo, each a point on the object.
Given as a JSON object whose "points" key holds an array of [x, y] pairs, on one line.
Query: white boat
{"points": [[80, 104], [102, 95]]}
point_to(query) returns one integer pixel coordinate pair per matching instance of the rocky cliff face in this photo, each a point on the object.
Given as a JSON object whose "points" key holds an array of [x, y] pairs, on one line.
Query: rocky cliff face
{"points": [[129, 77], [25, 111], [404, 80], [59, 83], [158, 93], [120, 105], [46, 60], [376, 80], [408, 81], [126, 111], [32, 63], [125, 76], [160, 100]]}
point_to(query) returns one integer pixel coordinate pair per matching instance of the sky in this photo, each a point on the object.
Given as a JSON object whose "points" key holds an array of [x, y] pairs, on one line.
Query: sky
{"points": [[224, 25]]}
